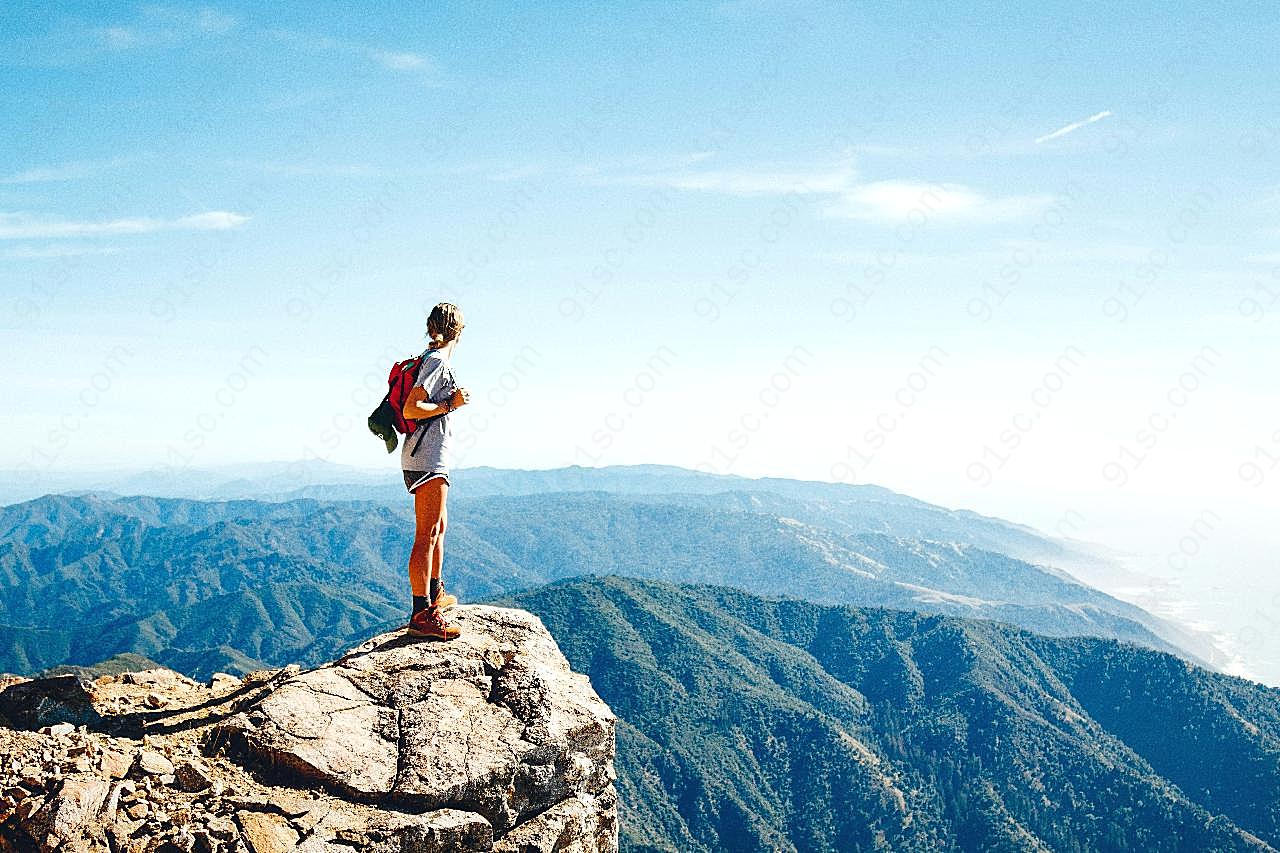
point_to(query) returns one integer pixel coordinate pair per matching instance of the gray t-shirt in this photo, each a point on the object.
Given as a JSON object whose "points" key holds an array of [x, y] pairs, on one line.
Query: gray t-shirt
{"points": [[434, 453]]}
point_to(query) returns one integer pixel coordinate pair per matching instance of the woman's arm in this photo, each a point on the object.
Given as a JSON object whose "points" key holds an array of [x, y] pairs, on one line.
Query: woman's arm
{"points": [[417, 407]]}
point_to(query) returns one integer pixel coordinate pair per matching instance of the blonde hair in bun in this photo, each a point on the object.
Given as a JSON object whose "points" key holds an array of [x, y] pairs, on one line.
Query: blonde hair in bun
{"points": [[445, 322]]}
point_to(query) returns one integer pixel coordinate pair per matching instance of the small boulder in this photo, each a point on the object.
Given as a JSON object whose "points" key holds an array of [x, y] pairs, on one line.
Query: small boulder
{"points": [[115, 764], [447, 830], [40, 702], [192, 777], [157, 677], [267, 832], [154, 763], [222, 828], [220, 681]]}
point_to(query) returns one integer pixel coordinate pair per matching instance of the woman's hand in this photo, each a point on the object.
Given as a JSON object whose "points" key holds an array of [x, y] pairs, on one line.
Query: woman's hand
{"points": [[461, 396]]}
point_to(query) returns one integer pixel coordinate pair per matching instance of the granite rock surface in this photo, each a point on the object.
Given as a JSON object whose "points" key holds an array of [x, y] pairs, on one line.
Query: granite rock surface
{"points": [[486, 742]]}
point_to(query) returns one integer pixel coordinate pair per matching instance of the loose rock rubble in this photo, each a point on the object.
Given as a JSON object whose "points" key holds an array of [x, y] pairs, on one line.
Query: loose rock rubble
{"points": [[487, 742]]}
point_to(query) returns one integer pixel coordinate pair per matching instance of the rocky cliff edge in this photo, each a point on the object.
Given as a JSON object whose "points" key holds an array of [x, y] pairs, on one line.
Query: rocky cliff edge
{"points": [[486, 742]]}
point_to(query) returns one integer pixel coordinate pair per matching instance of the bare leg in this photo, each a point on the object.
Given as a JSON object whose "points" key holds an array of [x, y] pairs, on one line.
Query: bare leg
{"points": [[428, 503], [437, 554]]}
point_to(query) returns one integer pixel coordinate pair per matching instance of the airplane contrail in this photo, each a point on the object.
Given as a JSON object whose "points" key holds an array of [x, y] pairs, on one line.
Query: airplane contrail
{"points": [[1063, 131]]}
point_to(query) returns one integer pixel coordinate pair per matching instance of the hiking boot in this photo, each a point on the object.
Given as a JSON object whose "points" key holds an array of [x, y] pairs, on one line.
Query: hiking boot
{"points": [[444, 600], [431, 623]]}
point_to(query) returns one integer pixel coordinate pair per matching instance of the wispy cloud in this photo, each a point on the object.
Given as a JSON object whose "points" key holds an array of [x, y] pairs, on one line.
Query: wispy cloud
{"points": [[398, 61], [898, 200], [1063, 131], [61, 172], [23, 226], [392, 60], [72, 41], [885, 201], [165, 26]]}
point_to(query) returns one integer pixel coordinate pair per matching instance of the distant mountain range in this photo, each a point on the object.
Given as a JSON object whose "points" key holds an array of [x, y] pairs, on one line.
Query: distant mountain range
{"points": [[849, 508], [202, 586], [834, 507], [754, 725]]}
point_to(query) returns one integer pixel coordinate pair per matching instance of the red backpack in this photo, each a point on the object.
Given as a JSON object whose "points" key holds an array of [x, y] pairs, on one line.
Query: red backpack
{"points": [[399, 383], [388, 419]]}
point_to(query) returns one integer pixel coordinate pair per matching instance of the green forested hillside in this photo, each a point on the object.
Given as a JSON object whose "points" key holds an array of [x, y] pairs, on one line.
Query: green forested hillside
{"points": [[199, 586], [754, 724], [747, 722]]}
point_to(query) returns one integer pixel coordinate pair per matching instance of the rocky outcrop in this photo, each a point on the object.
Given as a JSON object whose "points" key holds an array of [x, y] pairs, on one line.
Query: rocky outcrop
{"points": [[486, 742]]}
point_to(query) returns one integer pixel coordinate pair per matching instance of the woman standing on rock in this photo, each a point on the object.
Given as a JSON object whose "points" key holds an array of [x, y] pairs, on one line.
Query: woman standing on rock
{"points": [[426, 472]]}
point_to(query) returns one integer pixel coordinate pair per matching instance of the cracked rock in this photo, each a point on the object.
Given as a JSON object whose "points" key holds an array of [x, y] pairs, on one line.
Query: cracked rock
{"points": [[72, 812], [493, 723]]}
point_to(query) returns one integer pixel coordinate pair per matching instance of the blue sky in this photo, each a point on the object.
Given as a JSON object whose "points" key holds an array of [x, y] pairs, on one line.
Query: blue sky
{"points": [[1024, 262]]}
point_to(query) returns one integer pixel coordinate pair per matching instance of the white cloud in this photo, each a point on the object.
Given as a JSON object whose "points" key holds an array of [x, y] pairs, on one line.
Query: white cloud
{"points": [[895, 201], [213, 220], [1063, 131], [22, 226], [876, 201]]}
